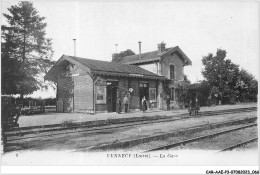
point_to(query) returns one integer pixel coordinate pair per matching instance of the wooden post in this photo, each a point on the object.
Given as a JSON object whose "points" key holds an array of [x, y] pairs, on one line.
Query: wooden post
{"points": [[94, 95]]}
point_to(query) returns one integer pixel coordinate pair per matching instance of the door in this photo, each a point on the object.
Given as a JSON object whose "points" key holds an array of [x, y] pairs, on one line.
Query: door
{"points": [[112, 96], [144, 91]]}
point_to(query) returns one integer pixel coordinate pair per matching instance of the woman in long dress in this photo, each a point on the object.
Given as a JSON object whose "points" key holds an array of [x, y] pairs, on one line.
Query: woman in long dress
{"points": [[144, 104]]}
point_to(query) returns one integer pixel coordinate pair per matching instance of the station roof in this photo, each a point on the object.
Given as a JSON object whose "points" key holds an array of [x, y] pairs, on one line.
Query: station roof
{"points": [[98, 67], [154, 56]]}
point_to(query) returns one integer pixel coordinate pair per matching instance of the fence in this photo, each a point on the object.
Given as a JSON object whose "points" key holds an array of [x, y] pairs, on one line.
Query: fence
{"points": [[30, 105]]}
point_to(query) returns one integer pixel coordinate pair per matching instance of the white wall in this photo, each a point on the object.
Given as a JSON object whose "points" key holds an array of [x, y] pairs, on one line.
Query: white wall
{"points": [[150, 67]]}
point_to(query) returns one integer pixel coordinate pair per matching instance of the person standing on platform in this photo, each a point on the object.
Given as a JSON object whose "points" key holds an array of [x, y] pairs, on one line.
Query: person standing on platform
{"points": [[144, 104], [197, 106], [118, 105], [126, 103], [168, 101], [190, 108], [128, 100]]}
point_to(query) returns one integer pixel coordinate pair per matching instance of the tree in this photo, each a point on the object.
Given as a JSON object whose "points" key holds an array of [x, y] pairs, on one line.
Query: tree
{"points": [[183, 91], [201, 91], [247, 86], [10, 66], [125, 53], [117, 56], [26, 52], [221, 75]]}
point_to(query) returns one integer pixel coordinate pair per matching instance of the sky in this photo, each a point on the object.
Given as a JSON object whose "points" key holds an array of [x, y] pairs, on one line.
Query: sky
{"points": [[197, 27]]}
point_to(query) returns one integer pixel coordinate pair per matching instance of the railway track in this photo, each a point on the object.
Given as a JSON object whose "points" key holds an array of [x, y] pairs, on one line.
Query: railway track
{"points": [[11, 145], [182, 143], [228, 111], [239, 145], [175, 133], [47, 130]]}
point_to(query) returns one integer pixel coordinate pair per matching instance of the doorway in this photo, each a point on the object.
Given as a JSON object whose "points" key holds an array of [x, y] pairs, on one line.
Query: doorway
{"points": [[144, 91], [112, 87]]}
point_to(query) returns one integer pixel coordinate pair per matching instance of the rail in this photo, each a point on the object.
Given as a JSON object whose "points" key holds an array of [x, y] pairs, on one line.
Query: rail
{"points": [[165, 147], [239, 144]]}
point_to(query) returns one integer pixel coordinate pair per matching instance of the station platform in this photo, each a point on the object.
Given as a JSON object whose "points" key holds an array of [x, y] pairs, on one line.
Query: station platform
{"points": [[58, 118]]}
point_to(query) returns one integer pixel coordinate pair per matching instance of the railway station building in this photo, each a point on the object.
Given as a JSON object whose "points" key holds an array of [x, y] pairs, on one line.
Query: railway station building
{"points": [[166, 62], [91, 86]]}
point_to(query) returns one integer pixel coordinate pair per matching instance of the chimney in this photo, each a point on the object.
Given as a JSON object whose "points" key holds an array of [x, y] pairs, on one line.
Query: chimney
{"points": [[74, 47], [115, 58], [116, 47], [161, 47], [140, 49]]}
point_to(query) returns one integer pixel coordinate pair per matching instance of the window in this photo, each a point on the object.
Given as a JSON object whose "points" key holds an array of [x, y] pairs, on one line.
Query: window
{"points": [[172, 72], [100, 94], [145, 85], [172, 94]]}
